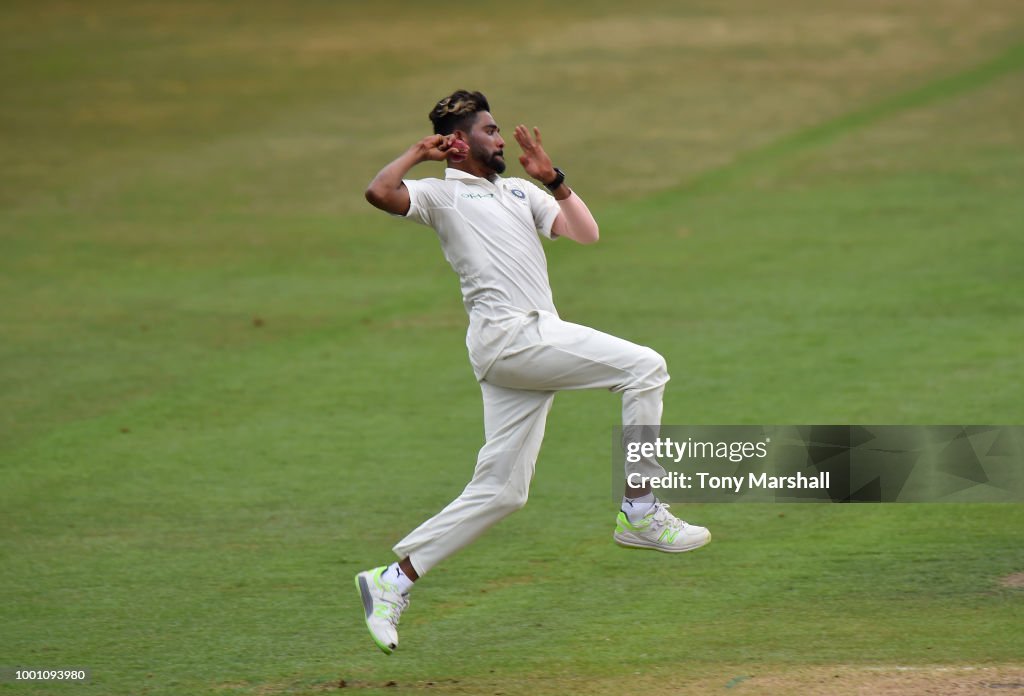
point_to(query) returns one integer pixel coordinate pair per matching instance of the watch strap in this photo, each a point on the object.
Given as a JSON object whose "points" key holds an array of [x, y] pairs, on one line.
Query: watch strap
{"points": [[557, 181]]}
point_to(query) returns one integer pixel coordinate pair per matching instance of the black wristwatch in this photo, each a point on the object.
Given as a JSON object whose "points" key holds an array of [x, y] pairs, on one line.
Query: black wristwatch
{"points": [[558, 181]]}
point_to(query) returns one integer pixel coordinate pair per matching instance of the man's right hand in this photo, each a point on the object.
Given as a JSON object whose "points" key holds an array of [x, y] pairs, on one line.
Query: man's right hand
{"points": [[434, 147]]}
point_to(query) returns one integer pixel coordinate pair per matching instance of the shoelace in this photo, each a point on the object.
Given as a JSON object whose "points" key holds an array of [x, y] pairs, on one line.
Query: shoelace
{"points": [[397, 607], [664, 518]]}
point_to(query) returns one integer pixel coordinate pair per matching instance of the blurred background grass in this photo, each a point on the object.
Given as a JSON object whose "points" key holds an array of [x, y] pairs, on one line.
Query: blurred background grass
{"points": [[226, 383]]}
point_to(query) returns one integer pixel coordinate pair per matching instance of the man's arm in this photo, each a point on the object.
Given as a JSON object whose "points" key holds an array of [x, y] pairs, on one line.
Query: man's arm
{"points": [[387, 191], [574, 220]]}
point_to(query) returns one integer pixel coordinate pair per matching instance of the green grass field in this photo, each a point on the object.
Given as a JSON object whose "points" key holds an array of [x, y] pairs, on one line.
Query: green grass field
{"points": [[227, 384]]}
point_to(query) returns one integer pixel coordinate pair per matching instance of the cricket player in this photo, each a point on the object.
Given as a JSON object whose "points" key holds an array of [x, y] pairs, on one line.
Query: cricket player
{"points": [[521, 352]]}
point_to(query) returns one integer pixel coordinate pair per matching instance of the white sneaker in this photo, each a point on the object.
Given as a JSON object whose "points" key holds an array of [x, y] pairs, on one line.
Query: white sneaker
{"points": [[660, 530], [383, 605]]}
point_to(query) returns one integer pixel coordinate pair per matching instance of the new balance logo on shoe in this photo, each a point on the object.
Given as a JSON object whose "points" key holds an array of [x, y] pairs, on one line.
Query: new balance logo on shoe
{"points": [[668, 535]]}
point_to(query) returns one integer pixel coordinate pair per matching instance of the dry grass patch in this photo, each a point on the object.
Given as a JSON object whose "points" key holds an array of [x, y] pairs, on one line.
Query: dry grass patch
{"points": [[1014, 580]]}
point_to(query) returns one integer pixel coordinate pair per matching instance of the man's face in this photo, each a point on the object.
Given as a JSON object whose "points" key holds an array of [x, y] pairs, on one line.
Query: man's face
{"points": [[486, 145]]}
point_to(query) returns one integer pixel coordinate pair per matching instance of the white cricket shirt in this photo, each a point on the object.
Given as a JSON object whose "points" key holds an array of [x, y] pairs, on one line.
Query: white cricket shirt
{"points": [[489, 234]]}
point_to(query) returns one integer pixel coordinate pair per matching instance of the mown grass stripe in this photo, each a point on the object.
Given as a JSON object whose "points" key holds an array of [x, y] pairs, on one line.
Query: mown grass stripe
{"points": [[816, 136]]}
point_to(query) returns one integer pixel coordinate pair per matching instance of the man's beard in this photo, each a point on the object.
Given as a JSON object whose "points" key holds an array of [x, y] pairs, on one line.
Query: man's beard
{"points": [[495, 161]]}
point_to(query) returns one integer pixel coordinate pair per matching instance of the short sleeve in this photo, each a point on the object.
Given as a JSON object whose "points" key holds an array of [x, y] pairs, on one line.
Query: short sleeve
{"points": [[425, 196], [544, 208]]}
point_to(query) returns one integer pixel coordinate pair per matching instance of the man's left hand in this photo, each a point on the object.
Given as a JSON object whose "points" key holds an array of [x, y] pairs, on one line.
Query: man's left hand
{"points": [[534, 160]]}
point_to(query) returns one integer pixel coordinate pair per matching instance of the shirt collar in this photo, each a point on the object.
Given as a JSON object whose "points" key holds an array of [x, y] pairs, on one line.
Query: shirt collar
{"points": [[450, 173]]}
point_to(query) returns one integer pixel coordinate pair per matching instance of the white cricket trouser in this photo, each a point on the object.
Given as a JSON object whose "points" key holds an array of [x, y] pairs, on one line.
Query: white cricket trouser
{"points": [[547, 355]]}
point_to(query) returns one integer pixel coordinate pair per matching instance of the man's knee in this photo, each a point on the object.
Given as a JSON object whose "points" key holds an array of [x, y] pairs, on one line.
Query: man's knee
{"points": [[651, 369], [510, 500]]}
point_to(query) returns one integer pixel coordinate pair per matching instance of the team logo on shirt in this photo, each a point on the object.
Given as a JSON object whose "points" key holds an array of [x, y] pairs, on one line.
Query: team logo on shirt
{"points": [[519, 194]]}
